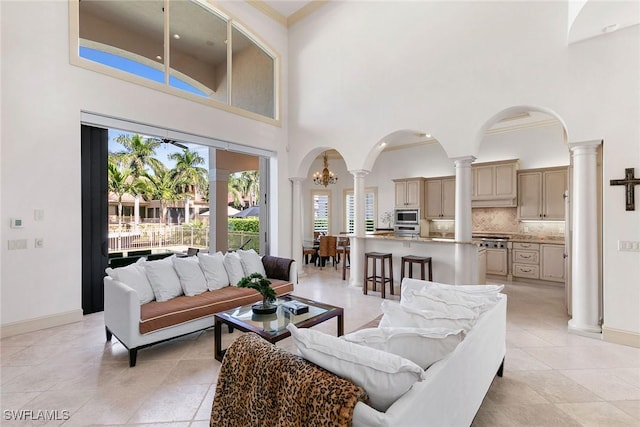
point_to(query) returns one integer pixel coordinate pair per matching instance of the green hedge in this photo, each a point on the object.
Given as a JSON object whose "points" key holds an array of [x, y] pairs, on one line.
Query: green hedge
{"points": [[251, 224]]}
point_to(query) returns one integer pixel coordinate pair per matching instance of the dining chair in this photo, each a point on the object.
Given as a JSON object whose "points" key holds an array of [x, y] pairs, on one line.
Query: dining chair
{"points": [[328, 249]]}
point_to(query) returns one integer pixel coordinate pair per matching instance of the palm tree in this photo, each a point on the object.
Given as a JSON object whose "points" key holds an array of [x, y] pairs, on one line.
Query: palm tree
{"points": [[162, 186], [244, 185], [188, 169], [139, 153], [235, 187], [119, 183]]}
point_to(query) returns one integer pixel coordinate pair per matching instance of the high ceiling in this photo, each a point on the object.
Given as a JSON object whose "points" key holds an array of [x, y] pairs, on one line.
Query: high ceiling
{"points": [[596, 17]]}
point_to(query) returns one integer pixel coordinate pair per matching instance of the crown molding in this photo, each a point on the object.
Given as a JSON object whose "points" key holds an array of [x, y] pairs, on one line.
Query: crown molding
{"points": [[512, 128], [295, 17]]}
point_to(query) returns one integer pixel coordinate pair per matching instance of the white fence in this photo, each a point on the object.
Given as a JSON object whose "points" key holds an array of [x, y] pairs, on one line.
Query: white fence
{"points": [[165, 236]]}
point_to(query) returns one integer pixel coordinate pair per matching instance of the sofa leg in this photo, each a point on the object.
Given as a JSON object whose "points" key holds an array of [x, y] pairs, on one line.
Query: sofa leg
{"points": [[108, 333], [230, 328], [501, 369], [133, 354]]}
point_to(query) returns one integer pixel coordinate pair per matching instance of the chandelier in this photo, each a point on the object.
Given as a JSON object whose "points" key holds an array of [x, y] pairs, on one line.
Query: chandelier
{"points": [[325, 177]]}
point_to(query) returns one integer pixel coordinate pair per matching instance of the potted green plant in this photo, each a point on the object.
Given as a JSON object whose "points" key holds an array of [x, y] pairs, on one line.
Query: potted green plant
{"points": [[263, 285]]}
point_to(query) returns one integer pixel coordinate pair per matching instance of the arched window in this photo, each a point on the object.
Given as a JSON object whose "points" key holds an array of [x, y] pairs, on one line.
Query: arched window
{"points": [[186, 48]]}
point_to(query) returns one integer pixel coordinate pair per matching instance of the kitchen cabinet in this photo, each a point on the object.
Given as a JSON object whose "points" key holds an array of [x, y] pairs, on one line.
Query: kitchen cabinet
{"points": [[541, 194], [482, 266], [497, 261], [552, 262], [440, 198], [543, 261], [409, 193], [494, 184]]}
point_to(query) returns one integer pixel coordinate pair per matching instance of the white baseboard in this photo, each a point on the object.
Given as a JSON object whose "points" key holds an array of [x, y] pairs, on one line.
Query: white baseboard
{"points": [[44, 322], [618, 336]]}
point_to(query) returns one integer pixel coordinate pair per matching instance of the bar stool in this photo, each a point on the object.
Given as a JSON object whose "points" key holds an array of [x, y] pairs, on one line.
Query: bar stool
{"points": [[382, 279], [411, 259]]}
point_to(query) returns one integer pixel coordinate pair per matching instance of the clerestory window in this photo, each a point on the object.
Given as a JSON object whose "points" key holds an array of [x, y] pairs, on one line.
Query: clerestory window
{"points": [[184, 47]]}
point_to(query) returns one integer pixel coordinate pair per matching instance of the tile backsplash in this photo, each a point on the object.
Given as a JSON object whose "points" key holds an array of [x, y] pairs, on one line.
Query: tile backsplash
{"points": [[504, 220], [499, 221]]}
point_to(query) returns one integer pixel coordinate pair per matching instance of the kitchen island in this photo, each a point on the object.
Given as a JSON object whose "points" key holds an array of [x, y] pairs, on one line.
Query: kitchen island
{"points": [[442, 251]]}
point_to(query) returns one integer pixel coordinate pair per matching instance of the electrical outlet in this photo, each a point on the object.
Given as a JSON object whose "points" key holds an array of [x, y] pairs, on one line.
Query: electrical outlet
{"points": [[39, 243]]}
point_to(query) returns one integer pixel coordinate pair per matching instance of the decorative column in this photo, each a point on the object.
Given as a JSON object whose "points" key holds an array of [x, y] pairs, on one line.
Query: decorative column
{"points": [[296, 223], [466, 260], [584, 249], [357, 244]]}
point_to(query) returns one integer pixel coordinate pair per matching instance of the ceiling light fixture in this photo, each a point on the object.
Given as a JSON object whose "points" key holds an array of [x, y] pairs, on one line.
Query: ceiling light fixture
{"points": [[325, 177], [159, 58], [176, 36]]}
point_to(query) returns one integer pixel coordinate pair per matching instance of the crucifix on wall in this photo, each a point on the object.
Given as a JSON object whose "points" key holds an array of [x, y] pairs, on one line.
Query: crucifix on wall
{"points": [[630, 182]]}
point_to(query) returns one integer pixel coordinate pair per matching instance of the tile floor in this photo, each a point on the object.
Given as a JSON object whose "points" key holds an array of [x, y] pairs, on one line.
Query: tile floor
{"points": [[551, 378]]}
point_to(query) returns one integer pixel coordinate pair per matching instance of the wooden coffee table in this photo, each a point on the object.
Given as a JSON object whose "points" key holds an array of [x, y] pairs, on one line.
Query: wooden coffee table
{"points": [[273, 327]]}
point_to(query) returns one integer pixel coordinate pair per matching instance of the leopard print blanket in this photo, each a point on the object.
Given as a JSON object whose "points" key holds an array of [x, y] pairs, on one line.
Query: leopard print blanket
{"points": [[263, 385]]}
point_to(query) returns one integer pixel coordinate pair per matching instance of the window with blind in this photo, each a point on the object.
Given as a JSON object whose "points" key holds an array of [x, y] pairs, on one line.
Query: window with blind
{"points": [[321, 209], [370, 210]]}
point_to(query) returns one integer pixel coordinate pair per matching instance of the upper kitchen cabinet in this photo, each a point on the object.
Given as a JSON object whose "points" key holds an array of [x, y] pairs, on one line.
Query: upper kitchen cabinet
{"points": [[409, 193], [541, 193], [440, 198], [494, 184]]}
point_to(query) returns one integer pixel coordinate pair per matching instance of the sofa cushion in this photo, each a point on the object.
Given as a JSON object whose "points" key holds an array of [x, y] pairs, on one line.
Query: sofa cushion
{"points": [[190, 274], [384, 376], [413, 284], [212, 266], [134, 276], [251, 262], [163, 278], [423, 346], [398, 315], [233, 265], [158, 315]]}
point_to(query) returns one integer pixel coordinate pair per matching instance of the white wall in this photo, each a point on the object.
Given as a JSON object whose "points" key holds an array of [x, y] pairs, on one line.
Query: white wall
{"points": [[43, 96], [362, 70]]}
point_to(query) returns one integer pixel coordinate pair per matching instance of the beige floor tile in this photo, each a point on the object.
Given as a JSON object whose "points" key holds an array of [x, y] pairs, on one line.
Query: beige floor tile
{"points": [[204, 423], [198, 371], [522, 416], [630, 407], [204, 412], [628, 375], [171, 403], [15, 401], [513, 391], [598, 414], [604, 383], [518, 360], [523, 338], [555, 387]]}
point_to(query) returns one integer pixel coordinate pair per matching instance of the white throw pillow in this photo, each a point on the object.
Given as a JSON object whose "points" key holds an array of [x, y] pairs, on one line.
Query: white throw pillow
{"points": [[233, 265], [430, 299], [134, 276], [398, 315], [191, 277], [212, 266], [384, 376], [415, 284], [423, 346], [163, 278], [251, 262]]}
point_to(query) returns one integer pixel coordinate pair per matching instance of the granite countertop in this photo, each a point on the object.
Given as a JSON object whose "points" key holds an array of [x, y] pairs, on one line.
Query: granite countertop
{"points": [[419, 239]]}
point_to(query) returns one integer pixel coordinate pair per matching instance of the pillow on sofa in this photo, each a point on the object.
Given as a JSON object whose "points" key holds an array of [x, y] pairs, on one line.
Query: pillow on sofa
{"points": [[423, 346], [384, 376], [233, 265], [479, 302], [251, 262], [398, 315], [429, 299], [163, 278], [134, 276], [416, 284], [190, 274], [212, 266]]}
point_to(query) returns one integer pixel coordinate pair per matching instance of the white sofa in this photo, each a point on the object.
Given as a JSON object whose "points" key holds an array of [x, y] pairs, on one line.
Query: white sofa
{"points": [[122, 310], [455, 386]]}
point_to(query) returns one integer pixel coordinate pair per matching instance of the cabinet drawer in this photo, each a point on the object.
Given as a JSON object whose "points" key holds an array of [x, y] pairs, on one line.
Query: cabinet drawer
{"points": [[529, 246], [526, 257], [525, 270]]}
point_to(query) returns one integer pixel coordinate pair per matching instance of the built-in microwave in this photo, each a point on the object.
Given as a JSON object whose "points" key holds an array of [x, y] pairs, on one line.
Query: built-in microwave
{"points": [[407, 217]]}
